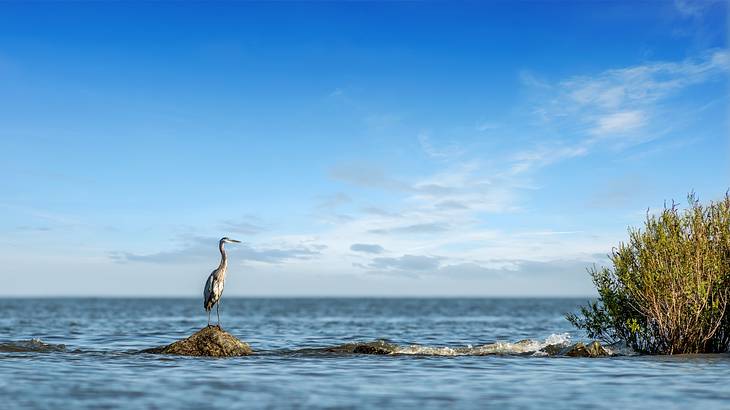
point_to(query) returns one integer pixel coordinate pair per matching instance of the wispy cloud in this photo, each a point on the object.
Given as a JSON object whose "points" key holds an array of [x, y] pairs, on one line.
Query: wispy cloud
{"points": [[457, 187], [530, 79], [615, 108], [366, 248], [441, 222], [619, 122], [205, 249], [642, 84], [424, 265], [422, 228], [544, 155], [367, 176], [694, 8], [377, 211], [624, 99], [448, 152], [406, 263]]}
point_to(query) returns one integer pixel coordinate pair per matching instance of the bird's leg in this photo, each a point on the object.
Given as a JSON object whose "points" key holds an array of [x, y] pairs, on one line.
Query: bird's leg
{"points": [[218, 312], [209, 318]]}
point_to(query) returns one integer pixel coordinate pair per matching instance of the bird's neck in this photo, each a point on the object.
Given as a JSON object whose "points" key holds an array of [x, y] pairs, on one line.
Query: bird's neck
{"points": [[224, 258]]}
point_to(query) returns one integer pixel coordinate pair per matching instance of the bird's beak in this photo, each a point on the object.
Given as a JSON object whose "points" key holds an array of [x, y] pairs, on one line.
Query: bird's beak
{"points": [[234, 241]]}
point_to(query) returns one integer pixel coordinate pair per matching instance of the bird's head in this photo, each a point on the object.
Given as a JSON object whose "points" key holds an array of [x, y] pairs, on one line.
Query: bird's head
{"points": [[226, 239]]}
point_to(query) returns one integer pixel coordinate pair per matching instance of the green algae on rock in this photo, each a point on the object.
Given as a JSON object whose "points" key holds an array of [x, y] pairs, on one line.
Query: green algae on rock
{"points": [[594, 349], [210, 341]]}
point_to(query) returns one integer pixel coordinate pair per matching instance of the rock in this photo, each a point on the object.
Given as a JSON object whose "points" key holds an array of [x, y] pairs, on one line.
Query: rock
{"points": [[378, 347], [594, 349], [368, 349], [552, 350], [209, 341], [33, 345]]}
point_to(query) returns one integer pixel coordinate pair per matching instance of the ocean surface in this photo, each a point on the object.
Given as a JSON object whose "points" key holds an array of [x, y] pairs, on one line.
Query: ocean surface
{"points": [[70, 353]]}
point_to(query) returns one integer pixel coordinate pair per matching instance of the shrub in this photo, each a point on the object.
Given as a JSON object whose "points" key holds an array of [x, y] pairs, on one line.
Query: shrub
{"points": [[669, 287]]}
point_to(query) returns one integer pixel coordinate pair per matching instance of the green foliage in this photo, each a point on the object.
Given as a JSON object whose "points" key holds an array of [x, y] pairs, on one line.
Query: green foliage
{"points": [[669, 287]]}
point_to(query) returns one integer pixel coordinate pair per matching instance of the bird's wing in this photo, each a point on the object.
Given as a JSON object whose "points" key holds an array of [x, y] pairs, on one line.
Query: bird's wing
{"points": [[208, 292], [218, 287]]}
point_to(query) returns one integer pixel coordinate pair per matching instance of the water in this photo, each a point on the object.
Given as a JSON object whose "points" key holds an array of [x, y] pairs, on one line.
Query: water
{"points": [[82, 353]]}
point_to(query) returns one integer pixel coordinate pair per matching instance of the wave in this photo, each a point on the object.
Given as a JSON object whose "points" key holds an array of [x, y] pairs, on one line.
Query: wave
{"points": [[551, 346], [33, 345]]}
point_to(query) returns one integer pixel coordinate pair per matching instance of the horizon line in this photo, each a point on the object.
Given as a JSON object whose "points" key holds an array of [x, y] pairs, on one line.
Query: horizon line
{"points": [[432, 296]]}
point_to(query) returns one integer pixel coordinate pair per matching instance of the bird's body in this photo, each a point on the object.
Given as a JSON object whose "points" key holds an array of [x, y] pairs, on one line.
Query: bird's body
{"points": [[214, 285]]}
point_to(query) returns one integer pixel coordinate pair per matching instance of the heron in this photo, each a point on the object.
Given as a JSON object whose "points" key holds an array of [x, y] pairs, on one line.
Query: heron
{"points": [[214, 285]]}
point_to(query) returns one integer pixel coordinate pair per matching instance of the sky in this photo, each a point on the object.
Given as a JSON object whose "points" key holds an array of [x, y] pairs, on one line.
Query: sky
{"points": [[356, 149]]}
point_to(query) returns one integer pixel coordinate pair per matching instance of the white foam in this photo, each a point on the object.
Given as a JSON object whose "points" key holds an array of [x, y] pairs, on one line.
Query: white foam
{"points": [[557, 339], [506, 348], [426, 350]]}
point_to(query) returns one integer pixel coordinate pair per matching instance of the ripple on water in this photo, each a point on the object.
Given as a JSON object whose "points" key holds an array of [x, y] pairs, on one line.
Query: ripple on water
{"points": [[439, 353]]}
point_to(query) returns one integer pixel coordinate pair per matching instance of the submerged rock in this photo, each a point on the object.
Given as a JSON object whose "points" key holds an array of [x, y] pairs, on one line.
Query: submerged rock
{"points": [[33, 345], [368, 349], [209, 341], [378, 347], [594, 349]]}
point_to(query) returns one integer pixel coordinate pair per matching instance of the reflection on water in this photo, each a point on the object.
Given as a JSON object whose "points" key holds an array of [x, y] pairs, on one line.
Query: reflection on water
{"points": [[472, 353]]}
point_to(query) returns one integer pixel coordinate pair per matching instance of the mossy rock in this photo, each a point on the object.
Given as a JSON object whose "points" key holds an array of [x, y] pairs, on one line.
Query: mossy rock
{"points": [[210, 341], [594, 349], [552, 350]]}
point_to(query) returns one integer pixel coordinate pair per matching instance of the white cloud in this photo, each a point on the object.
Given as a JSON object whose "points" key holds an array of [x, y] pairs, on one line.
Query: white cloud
{"points": [[205, 248], [639, 85], [611, 109], [441, 222], [630, 104], [545, 155], [619, 122]]}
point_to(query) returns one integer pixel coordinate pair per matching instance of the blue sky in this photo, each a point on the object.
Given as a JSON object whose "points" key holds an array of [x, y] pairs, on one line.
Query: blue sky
{"points": [[355, 149]]}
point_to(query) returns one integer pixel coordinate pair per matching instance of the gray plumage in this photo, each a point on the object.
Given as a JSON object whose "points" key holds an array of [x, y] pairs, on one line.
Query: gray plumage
{"points": [[214, 285]]}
